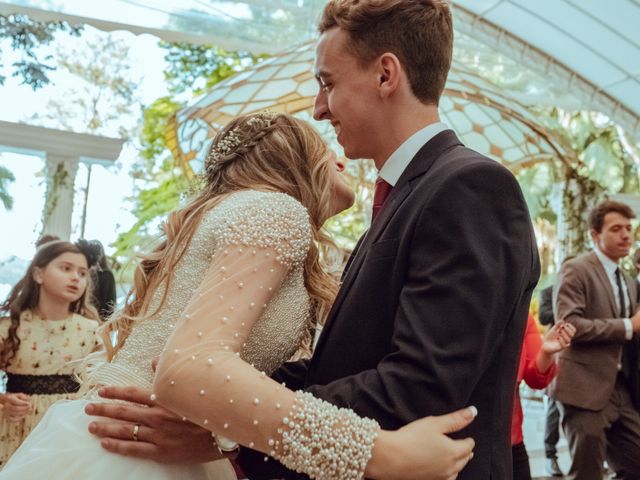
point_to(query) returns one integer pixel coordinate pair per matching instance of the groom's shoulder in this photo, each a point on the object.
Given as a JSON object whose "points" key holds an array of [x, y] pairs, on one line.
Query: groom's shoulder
{"points": [[461, 163], [461, 156]]}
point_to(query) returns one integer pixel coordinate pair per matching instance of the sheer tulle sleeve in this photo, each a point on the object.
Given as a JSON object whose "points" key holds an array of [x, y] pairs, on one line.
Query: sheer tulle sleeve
{"points": [[202, 377]]}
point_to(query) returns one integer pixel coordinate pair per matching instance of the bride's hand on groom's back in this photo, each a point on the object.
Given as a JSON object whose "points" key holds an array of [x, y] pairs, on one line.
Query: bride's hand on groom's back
{"points": [[422, 450], [161, 436]]}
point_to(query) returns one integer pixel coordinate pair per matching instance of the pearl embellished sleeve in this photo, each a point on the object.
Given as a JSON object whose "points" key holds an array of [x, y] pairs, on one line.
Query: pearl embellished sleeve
{"points": [[202, 377]]}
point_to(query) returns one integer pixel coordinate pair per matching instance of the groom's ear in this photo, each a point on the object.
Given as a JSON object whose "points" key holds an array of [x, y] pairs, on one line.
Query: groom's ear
{"points": [[389, 71]]}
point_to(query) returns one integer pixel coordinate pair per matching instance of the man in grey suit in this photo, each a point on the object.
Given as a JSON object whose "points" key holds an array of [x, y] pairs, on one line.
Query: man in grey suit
{"points": [[596, 386]]}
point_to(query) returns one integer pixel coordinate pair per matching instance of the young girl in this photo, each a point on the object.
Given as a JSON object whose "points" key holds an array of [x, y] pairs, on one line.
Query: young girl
{"points": [[241, 265], [48, 325]]}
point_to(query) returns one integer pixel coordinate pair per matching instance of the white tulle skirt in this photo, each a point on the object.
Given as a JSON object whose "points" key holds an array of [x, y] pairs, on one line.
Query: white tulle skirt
{"points": [[61, 448]]}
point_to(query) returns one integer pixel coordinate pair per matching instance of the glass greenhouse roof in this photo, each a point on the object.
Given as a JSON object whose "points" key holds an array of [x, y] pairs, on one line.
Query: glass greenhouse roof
{"points": [[588, 51], [256, 25], [589, 46], [483, 116]]}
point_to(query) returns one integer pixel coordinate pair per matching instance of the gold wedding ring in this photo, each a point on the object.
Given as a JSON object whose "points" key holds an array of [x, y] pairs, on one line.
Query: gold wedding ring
{"points": [[134, 434]]}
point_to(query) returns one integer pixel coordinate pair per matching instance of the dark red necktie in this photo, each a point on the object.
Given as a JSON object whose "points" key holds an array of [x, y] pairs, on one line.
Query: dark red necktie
{"points": [[380, 194]]}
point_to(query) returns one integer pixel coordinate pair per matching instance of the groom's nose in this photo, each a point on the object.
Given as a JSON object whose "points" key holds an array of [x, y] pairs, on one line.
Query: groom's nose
{"points": [[320, 107]]}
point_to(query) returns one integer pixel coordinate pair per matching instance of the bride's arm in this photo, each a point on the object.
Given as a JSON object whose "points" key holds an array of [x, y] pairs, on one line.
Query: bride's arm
{"points": [[420, 450], [201, 376]]}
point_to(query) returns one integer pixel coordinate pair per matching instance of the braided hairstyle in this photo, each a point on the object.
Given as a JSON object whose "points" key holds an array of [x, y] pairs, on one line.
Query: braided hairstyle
{"points": [[267, 152]]}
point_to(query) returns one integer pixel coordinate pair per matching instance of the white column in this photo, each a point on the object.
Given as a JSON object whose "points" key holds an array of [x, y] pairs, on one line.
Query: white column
{"points": [[58, 206]]}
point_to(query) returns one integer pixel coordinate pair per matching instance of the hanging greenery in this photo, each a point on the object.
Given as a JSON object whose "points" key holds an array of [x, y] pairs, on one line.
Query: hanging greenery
{"points": [[59, 181], [579, 195], [598, 163], [6, 177]]}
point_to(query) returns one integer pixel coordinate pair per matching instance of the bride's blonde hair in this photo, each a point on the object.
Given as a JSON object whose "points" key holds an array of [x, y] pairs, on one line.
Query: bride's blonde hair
{"points": [[270, 152]]}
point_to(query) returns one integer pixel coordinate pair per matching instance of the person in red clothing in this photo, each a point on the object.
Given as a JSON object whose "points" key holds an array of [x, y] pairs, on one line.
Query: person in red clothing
{"points": [[537, 368]]}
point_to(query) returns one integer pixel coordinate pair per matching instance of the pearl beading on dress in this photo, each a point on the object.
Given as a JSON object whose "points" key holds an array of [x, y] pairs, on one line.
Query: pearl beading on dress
{"points": [[263, 243], [324, 441], [285, 228], [275, 337]]}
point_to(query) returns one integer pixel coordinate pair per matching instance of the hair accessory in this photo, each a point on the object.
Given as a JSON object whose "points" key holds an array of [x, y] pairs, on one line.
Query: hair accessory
{"points": [[234, 137]]}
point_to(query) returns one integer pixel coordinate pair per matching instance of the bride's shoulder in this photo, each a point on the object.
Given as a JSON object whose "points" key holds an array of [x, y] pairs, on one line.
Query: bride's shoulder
{"points": [[264, 218], [261, 206], [258, 197]]}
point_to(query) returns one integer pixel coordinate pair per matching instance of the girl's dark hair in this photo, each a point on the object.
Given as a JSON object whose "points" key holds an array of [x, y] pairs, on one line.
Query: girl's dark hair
{"points": [[92, 249], [26, 293]]}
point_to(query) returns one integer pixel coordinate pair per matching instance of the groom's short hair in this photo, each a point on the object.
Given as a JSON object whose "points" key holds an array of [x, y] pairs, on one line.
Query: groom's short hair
{"points": [[418, 32]]}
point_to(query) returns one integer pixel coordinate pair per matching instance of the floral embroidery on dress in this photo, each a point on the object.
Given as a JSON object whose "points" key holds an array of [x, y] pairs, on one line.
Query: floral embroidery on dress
{"points": [[44, 350]]}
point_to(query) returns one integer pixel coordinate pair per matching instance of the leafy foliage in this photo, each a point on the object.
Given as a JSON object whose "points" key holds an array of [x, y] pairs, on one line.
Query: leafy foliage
{"points": [[26, 36], [151, 205], [537, 186], [154, 124], [102, 98], [601, 150], [191, 70], [6, 177], [197, 68], [600, 161]]}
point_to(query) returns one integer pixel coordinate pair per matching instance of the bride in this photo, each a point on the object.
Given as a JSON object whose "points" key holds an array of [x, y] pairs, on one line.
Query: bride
{"points": [[235, 289]]}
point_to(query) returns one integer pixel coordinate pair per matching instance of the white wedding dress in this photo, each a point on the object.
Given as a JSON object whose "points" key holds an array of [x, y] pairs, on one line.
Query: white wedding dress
{"points": [[61, 447]]}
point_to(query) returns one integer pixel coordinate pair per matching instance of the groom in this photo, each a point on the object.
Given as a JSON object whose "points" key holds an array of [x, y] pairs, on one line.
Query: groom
{"points": [[432, 309]]}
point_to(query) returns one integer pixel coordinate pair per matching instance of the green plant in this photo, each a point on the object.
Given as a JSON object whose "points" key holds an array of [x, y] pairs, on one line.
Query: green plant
{"points": [[59, 180], [26, 36], [6, 177], [191, 70], [600, 161]]}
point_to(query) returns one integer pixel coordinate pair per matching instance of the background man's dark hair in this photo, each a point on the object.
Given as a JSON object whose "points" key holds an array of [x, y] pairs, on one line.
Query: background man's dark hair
{"points": [[596, 217]]}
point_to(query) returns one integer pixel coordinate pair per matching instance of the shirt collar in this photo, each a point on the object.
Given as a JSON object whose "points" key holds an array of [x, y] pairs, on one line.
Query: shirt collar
{"points": [[609, 265], [397, 163]]}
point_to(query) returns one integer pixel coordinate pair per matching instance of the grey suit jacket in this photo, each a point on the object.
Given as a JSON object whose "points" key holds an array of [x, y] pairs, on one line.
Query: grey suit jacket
{"points": [[588, 369]]}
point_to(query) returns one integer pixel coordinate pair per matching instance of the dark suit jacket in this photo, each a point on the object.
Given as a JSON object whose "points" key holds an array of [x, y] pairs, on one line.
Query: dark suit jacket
{"points": [[588, 369], [432, 311], [545, 306]]}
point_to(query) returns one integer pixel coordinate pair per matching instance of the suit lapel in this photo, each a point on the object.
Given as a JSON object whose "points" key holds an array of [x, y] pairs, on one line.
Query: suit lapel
{"points": [[604, 281], [353, 254], [355, 261], [390, 208], [419, 165]]}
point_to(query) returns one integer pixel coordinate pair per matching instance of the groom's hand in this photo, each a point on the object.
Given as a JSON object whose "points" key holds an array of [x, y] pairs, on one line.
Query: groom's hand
{"points": [[161, 436]]}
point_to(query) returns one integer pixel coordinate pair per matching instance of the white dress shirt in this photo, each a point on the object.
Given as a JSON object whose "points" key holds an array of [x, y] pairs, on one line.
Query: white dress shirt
{"points": [[610, 268], [397, 163]]}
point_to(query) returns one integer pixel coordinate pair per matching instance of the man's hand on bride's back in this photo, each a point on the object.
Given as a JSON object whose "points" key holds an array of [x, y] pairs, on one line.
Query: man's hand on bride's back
{"points": [[161, 436]]}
